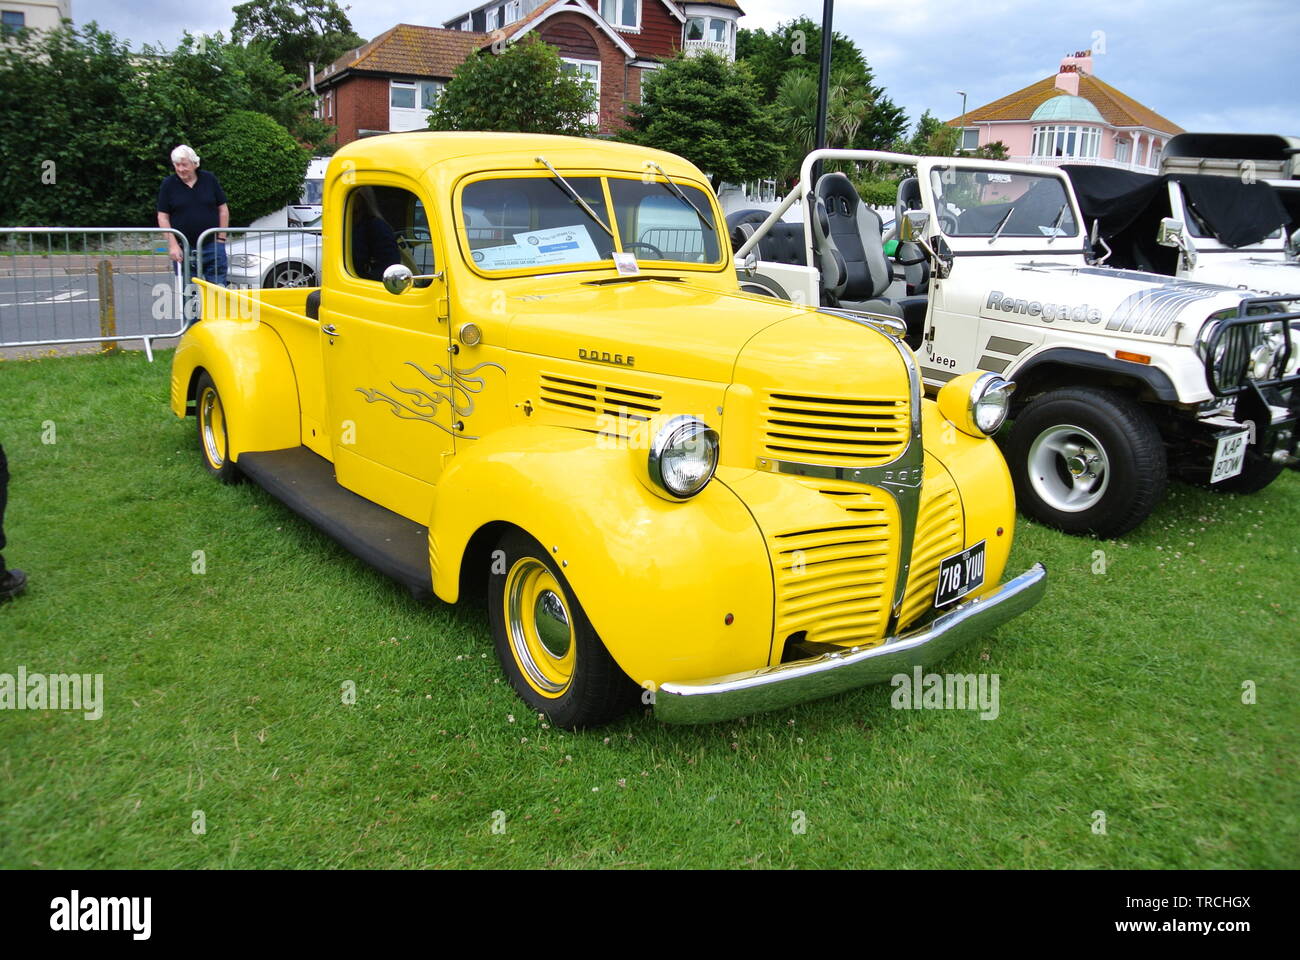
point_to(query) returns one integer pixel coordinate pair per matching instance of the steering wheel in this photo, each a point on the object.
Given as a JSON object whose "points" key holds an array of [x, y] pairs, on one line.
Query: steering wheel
{"points": [[657, 253], [948, 224]]}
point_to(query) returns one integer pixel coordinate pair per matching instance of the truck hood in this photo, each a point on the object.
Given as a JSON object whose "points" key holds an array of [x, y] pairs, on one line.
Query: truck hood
{"points": [[1088, 299], [1261, 275], [666, 327]]}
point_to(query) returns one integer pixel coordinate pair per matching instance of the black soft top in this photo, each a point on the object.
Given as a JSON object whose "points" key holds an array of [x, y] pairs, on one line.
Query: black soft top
{"points": [[1236, 213]]}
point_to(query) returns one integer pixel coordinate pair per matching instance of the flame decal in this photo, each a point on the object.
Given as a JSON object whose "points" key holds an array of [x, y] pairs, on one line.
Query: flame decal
{"points": [[454, 387]]}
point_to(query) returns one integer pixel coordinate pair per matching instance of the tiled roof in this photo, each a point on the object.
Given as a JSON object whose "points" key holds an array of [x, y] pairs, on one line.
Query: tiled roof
{"points": [[1117, 108], [512, 30], [410, 50], [714, 3]]}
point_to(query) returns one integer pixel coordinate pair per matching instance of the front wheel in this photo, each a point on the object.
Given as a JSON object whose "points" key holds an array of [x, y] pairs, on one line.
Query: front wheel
{"points": [[1087, 461], [550, 652], [214, 441]]}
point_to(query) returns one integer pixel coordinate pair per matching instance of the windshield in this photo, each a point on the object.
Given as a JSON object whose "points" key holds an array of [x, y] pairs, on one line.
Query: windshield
{"points": [[522, 222], [312, 191], [982, 203]]}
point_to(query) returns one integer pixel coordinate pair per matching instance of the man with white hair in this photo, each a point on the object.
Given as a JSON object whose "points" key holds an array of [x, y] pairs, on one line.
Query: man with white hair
{"points": [[191, 201]]}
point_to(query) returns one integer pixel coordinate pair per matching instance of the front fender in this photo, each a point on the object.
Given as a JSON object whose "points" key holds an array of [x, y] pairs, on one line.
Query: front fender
{"points": [[250, 366], [656, 579]]}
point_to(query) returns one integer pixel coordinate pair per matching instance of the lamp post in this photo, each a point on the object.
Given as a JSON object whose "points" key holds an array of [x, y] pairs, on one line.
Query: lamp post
{"points": [[962, 135], [823, 84]]}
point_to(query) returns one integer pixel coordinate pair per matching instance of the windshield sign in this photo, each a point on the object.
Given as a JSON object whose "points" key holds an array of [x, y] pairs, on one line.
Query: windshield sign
{"points": [[980, 203], [524, 222]]}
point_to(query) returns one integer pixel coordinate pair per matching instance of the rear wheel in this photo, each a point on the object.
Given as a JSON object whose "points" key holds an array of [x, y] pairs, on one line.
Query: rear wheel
{"points": [[547, 646], [1087, 461], [214, 441]]}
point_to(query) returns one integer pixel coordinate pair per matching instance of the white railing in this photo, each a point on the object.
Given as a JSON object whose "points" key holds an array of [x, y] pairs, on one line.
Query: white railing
{"points": [[1092, 161], [720, 47]]}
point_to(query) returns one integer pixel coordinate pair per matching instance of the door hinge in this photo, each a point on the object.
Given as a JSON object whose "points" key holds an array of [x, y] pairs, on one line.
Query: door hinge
{"points": [[444, 309]]}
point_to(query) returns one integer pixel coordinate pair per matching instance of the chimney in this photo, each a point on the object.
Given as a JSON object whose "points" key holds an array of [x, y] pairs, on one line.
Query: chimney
{"points": [[1073, 64]]}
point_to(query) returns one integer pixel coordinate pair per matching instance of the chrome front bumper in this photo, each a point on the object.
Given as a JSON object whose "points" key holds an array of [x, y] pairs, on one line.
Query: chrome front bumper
{"points": [[770, 688]]}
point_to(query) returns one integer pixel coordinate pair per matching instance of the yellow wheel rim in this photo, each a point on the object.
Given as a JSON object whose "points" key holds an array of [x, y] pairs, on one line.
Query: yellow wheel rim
{"points": [[540, 627], [213, 421]]}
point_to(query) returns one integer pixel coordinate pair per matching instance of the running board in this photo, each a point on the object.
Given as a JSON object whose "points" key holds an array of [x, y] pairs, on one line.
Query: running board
{"points": [[304, 482]]}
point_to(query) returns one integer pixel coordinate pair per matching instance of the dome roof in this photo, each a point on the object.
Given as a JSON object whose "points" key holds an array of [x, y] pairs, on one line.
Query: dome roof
{"points": [[1066, 107]]}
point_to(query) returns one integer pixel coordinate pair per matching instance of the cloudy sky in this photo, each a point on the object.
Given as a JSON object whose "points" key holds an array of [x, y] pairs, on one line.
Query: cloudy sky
{"points": [[1216, 65]]}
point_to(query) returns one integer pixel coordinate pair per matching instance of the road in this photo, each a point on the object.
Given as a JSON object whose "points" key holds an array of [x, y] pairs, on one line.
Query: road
{"points": [[59, 298]]}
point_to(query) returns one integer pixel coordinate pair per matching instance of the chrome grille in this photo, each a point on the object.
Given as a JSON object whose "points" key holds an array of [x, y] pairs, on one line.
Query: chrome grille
{"points": [[835, 431]]}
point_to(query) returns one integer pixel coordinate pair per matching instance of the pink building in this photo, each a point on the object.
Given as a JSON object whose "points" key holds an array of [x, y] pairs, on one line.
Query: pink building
{"points": [[1072, 117]]}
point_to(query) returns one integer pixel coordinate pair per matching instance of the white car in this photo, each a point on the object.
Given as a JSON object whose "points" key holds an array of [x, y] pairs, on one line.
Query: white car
{"points": [[274, 258], [1122, 377]]}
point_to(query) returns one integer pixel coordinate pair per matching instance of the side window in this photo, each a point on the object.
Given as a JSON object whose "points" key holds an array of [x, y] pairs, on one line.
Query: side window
{"points": [[387, 225]]}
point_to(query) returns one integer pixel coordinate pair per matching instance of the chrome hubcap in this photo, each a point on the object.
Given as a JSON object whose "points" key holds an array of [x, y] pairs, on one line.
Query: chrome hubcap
{"points": [[552, 623], [207, 410], [1068, 468]]}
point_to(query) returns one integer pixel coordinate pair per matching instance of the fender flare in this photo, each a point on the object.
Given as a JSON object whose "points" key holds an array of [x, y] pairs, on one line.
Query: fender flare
{"points": [[250, 366], [657, 579], [1153, 377]]}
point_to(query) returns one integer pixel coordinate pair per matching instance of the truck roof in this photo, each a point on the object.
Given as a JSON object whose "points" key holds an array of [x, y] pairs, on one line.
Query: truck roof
{"points": [[466, 152]]}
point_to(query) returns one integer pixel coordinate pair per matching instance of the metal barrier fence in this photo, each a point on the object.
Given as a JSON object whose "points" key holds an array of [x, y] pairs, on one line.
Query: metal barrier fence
{"points": [[279, 257], [90, 285]]}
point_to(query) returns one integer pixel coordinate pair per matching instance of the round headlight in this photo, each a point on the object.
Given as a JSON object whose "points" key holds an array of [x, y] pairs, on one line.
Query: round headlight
{"points": [[990, 402], [683, 456]]}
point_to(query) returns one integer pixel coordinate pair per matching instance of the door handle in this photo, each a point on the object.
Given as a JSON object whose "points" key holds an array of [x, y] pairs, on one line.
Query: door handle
{"points": [[330, 330]]}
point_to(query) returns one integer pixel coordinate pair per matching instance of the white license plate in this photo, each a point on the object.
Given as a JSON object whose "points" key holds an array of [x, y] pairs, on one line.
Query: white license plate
{"points": [[960, 574], [1229, 456]]}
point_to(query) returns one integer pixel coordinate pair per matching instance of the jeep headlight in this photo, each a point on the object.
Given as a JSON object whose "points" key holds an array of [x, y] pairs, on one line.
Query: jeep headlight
{"points": [[976, 402], [683, 456], [1266, 357]]}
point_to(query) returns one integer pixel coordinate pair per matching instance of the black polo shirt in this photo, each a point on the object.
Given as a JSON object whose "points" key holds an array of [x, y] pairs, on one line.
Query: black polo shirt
{"points": [[192, 209]]}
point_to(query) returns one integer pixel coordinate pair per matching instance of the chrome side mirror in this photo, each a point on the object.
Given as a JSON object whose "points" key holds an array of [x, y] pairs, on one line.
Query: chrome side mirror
{"points": [[751, 262], [398, 278], [1171, 233], [912, 228]]}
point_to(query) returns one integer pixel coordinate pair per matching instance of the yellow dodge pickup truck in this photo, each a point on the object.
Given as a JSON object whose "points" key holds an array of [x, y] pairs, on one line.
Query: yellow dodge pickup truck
{"points": [[530, 371]]}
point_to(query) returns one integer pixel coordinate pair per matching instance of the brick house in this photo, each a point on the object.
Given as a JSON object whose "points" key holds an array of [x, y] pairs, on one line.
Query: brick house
{"points": [[390, 83]]}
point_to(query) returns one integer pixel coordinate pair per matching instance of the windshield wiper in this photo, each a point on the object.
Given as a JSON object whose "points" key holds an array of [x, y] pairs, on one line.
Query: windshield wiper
{"points": [[676, 191], [574, 194], [1056, 224], [1002, 223]]}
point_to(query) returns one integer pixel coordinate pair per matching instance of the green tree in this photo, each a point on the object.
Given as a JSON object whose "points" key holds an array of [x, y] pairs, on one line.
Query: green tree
{"points": [[296, 33], [707, 109], [524, 88], [259, 165], [93, 146], [796, 46], [796, 103]]}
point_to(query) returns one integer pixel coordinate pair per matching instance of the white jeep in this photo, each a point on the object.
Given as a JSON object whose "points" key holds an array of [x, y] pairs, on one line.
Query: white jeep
{"points": [[1222, 210], [1122, 377]]}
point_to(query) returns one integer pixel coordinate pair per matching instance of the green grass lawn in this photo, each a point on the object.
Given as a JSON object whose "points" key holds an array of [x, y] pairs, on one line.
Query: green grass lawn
{"points": [[1120, 693]]}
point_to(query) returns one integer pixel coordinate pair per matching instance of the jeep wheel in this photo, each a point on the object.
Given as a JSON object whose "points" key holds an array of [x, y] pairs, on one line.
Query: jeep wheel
{"points": [[547, 647], [214, 442], [1087, 460]]}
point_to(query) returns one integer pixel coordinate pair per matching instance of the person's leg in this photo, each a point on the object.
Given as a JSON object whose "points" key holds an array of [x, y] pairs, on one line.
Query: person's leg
{"points": [[12, 582]]}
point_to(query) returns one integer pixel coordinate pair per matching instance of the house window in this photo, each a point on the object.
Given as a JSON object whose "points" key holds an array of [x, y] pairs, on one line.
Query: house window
{"points": [[514, 10], [1121, 151], [410, 101], [467, 23], [589, 71], [970, 138], [710, 29], [11, 21], [621, 13], [1065, 140], [493, 19]]}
